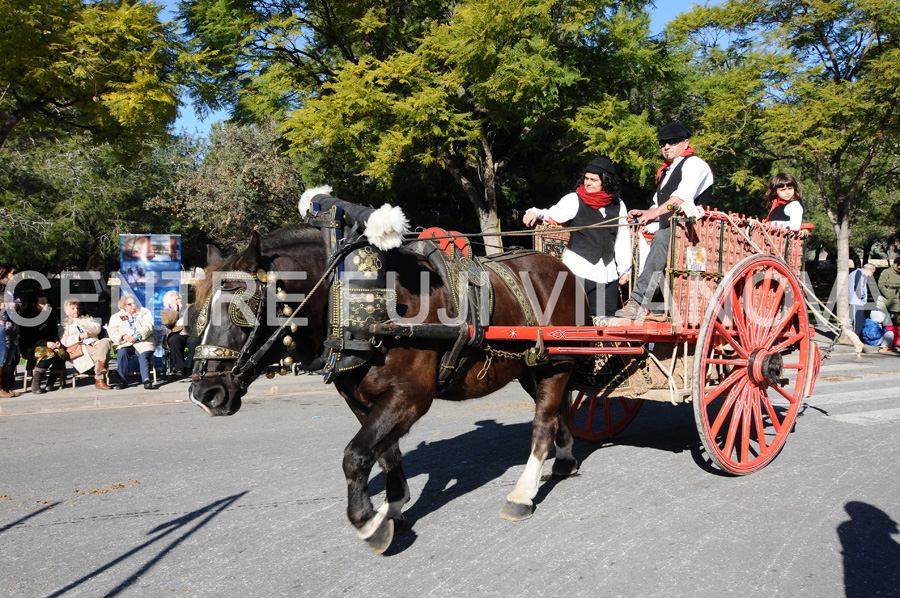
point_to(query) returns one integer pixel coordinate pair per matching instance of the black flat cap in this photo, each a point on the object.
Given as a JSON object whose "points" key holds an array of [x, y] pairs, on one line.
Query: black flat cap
{"points": [[674, 130], [600, 165]]}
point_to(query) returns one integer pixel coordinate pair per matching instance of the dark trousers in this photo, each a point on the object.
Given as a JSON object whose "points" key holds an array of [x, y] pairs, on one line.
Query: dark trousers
{"points": [[651, 273], [607, 295], [177, 345]]}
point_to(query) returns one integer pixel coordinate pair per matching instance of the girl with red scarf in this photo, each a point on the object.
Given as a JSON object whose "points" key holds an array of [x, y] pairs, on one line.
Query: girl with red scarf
{"points": [[782, 199], [600, 256]]}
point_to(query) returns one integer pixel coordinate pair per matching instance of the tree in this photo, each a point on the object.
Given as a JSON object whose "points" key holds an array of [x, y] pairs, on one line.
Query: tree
{"points": [[106, 67], [485, 91], [237, 181], [65, 202], [807, 85]]}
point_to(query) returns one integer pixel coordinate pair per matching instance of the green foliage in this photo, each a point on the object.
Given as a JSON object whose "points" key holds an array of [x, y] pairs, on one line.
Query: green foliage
{"points": [[64, 203], [106, 67], [236, 181]]}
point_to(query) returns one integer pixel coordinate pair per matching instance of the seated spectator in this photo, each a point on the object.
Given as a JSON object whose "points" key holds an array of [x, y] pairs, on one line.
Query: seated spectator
{"points": [[85, 332], [9, 345], [783, 200], [875, 335], [41, 343], [172, 317], [889, 286], [131, 332]]}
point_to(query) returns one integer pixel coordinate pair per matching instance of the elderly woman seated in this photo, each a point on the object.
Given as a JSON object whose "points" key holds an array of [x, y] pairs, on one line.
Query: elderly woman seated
{"points": [[83, 334], [172, 317], [131, 331]]}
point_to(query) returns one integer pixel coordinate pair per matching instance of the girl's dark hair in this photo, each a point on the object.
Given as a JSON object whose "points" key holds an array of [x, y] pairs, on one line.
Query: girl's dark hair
{"points": [[782, 178], [612, 184]]}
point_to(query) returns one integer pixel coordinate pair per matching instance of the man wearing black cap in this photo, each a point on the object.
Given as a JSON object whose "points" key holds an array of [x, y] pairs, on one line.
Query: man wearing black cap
{"points": [[682, 179], [600, 256]]}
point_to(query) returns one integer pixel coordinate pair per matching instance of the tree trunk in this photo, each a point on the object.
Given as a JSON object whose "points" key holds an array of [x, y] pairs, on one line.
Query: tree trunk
{"points": [[485, 204], [842, 280]]}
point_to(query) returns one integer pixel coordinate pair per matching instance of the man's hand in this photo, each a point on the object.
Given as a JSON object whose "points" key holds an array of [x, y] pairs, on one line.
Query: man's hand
{"points": [[624, 278], [529, 218]]}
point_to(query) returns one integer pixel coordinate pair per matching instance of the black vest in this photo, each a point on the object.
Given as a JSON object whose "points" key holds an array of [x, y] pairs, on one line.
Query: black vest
{"points": [[664, 192], [594, 243], [777, 214]]}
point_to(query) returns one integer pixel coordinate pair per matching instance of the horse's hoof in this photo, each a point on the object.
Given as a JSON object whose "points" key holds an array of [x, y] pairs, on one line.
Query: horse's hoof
{"points": [[381, 539], [563, 468], [515, 511], [399, 524]]}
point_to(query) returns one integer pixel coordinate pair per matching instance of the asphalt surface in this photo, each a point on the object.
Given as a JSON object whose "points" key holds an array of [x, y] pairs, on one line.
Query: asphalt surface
{"points": [[137, 493]]}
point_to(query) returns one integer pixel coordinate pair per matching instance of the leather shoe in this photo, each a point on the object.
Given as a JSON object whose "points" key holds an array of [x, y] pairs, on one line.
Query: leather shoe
{"points": [[101, 384], [120, 385], [149, 385]]}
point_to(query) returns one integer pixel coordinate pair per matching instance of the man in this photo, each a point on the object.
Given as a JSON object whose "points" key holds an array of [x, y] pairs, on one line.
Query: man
{"points": [[889, 285], [859, 296], [682, 179]]}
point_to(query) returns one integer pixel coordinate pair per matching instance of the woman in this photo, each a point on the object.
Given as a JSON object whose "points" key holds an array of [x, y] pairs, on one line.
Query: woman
{"points": [[9, 346], [172, 317], [600, 256], [131, 331], [84, 332], [41, 341], [782, 199]]}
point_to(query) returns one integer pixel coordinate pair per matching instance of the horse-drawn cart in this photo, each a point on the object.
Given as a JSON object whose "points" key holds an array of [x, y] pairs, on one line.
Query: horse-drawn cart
{"points": [[734, 340], [394, 326]]}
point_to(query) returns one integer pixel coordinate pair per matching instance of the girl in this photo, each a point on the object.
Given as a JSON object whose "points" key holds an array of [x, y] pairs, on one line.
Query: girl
{"points": [[782, 198]]}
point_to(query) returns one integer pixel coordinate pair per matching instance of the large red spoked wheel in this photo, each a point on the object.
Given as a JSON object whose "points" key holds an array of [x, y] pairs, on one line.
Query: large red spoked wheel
{"points": [[750, 368], [597, 418]]}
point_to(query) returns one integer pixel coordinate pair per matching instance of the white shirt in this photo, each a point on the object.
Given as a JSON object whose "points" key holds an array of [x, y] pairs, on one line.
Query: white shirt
{"points": [[696, 177], [794, 211], [564, 211]]}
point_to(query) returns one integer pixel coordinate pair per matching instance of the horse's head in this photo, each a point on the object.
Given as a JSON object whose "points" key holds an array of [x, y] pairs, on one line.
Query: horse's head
{"points": [[240, 314], [229, 316]]}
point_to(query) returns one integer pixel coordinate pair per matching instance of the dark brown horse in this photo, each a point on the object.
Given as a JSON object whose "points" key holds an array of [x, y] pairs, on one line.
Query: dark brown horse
{"points": [[398, 383]]}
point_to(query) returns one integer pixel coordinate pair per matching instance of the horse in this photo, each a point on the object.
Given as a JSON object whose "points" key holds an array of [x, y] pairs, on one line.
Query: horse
{"points": [[398, 382]]}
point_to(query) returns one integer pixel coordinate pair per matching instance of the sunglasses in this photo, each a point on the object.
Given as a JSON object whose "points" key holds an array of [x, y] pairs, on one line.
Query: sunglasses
{"points": [[673, 141]]}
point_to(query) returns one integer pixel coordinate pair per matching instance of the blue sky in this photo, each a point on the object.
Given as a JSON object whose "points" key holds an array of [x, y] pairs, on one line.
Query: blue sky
{"points": [[188, 120]]}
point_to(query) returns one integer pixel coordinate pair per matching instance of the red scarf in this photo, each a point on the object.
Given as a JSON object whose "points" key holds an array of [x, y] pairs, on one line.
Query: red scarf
{"points": [[594, 200], [775, 203], [664, 165]]}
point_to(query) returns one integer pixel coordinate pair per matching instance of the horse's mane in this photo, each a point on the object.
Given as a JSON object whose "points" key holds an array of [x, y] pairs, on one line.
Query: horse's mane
{"points": [[294, 234]]}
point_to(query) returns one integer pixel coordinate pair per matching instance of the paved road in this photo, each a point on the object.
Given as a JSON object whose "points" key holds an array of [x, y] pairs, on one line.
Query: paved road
{"points": [[149, 497]]}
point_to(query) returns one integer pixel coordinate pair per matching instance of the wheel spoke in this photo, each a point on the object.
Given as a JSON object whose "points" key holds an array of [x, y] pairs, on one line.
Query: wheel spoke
{"points": [[732, 428], [746, 415], [723, 413], [738, 316], [771, 411], [723, 386], [780, 326], [781, 391], [758, 421], [735, 362], [592, 407], [788, 342], [730, 340], [772, 309]]}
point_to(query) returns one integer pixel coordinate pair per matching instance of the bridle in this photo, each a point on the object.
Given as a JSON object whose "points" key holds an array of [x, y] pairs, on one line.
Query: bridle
{"points": [[247, 359]]}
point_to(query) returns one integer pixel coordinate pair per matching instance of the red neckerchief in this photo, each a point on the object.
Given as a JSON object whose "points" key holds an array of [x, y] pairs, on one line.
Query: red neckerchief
{"points": [[663, 165], [775, 203], [594, 200]]}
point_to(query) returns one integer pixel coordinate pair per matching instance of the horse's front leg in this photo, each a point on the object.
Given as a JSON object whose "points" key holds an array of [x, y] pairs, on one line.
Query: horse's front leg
{"points": [[385, 424], [550, 388]]}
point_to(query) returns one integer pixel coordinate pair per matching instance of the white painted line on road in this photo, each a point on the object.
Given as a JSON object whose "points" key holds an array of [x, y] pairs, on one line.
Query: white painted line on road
{"points": [[868, 418]]}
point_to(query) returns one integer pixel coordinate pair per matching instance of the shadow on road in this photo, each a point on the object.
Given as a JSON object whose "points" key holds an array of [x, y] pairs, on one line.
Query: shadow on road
{"points": [[188, 523], [871, 554], [27, 517]]}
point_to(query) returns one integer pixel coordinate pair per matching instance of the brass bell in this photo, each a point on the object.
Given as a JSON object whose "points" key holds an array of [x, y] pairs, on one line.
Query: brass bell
{"points": [[287, 310], [270, 374], [288, 361], [261, 275], [272, 275], [283, 371], [294, 328], [292, 346], [281, 294], [287, 340]]}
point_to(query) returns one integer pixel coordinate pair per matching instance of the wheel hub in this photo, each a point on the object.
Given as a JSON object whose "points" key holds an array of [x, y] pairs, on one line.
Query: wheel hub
{"points": [[765, 367]]}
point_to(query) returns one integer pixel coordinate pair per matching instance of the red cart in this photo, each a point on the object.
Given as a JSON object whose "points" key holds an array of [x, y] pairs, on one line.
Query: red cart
{"points": [[734, 340]]}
